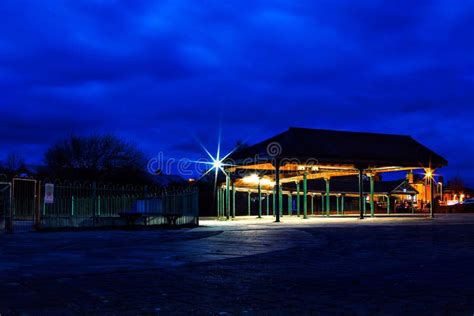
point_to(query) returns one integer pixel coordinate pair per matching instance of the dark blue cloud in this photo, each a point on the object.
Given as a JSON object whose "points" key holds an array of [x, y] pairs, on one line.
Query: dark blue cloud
{"points": [[158, 71]]}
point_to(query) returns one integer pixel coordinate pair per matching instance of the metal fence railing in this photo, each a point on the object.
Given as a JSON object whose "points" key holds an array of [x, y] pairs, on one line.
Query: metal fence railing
{"points": [[5, 206], [99, 205], [27, 203]]}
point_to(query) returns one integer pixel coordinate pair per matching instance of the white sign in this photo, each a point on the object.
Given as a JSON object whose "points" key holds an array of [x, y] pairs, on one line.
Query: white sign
{"points": [[49, 193]]}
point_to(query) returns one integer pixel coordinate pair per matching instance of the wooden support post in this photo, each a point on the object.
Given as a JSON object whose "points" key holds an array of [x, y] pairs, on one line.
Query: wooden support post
{"points": [[337, 204], [305, 195], [298, 199], [328, 199], [233, 199], [361, 193], [312, 204], [372, 196], [227, 188]]}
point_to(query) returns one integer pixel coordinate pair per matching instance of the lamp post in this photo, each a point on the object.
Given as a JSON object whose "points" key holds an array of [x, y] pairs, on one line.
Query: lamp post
{"points": [[431, 198], [429, 176]]}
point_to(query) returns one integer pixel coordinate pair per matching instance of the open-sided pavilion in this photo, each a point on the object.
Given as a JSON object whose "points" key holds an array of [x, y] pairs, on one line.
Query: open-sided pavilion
{"points": [[300, 154]]}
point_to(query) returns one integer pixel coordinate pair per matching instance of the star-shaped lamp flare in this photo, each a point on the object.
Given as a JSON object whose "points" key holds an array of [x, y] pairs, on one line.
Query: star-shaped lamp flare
{"points": [[216, 162]]}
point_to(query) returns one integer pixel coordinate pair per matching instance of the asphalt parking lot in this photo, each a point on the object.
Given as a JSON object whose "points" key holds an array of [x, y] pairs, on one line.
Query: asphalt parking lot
{"points": [[318, 266]]}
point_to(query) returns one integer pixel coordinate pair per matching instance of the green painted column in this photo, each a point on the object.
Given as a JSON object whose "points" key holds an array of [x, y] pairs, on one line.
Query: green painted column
{"points": [[259, 200], [361, 193], [233, 199], [290, 204], [312, 204], [365, 204], [337, 204], [72, 206], [323, 204], [305, 195], [249, 203], [280, 198], [223, 202], [388, 204], [342, 203], [267, 197], [277, 187], [274, 209], [218, 202], [328, 198], [372, 196], [298, 199], [227, 198], [218, 195]]}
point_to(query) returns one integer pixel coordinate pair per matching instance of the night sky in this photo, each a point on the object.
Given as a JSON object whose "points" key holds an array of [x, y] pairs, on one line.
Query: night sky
{"points": [[158, 72]]}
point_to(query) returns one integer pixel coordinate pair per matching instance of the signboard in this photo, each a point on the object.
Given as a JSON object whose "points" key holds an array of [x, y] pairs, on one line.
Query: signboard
{"points": [[49, 193]]}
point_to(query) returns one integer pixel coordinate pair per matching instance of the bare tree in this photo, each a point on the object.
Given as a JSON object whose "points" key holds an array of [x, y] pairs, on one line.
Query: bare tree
{"points": [[14, 163], [97, 157]]}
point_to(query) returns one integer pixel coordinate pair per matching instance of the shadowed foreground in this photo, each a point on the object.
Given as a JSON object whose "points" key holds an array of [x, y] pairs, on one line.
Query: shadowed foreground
{"points": [[389, 266]]}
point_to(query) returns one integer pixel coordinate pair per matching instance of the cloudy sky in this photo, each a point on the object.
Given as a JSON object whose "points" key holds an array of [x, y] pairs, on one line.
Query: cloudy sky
{"points": [[157, 72]]}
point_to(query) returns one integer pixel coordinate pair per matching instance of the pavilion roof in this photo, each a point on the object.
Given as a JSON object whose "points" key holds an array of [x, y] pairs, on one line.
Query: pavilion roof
{"points": [[342, 147]]}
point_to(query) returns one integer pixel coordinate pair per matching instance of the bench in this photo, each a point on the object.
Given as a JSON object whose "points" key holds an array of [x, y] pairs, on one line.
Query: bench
{"points": [[132, 217]]}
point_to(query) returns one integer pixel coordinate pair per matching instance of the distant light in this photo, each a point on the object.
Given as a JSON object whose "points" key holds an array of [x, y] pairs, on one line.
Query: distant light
{"points": [[217, 164], [251, 179], [255, 179], [428, 174], [267, 182]]}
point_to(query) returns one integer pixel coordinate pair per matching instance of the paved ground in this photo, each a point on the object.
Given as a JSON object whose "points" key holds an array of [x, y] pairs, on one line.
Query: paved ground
{"points": [[317, 266]]}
